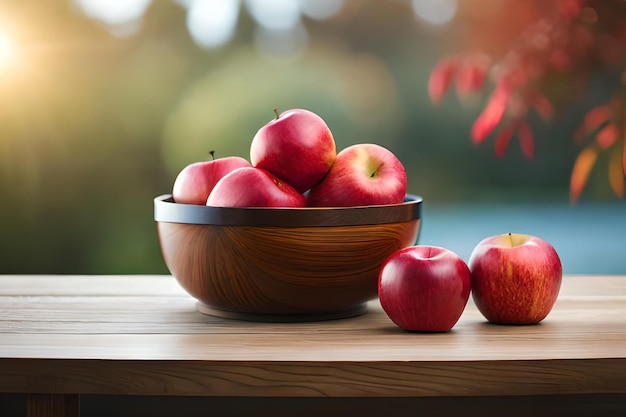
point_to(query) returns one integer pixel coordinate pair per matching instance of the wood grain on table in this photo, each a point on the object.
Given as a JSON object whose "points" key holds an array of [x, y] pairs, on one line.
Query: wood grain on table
{"points": [[142, 335]]}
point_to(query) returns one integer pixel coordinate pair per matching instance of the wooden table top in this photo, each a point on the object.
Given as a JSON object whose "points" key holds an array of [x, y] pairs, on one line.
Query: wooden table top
{"points": [[142, 335]]}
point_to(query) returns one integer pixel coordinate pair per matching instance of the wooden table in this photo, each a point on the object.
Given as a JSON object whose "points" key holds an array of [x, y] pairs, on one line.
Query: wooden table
{"points": [[138, 343]]}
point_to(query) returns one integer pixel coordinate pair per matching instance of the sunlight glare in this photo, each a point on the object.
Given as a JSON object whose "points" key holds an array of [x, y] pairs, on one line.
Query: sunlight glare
{"points": [[7, 51]]}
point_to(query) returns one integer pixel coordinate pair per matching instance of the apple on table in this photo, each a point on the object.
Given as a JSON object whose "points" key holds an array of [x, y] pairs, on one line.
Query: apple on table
{"points": [[424, 288], [196, 181], [516, 278], [254, 187], [297, 147], [363, 174]]}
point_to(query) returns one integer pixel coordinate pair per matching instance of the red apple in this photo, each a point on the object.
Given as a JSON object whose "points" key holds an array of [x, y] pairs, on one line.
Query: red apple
{"points": [[362, 175], [253, 187], [297, 146], [195, 182], [424, 288], [516, 278]]}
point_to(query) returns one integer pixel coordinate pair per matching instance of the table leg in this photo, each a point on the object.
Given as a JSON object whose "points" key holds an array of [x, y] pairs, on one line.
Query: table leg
{"points": [[53, 405]]}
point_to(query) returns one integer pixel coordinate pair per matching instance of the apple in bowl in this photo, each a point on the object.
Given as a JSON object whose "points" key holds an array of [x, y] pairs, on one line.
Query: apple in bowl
{"points": [[254, 187], [516, 278], [363, 174], [297, 147], [196, 181]]}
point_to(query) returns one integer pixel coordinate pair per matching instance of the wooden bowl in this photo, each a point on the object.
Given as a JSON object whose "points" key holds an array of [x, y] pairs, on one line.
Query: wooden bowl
{"points": [[275, 264]]}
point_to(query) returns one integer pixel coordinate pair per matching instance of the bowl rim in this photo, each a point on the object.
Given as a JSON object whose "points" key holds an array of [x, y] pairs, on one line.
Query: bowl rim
{"points": [[167, 211]]}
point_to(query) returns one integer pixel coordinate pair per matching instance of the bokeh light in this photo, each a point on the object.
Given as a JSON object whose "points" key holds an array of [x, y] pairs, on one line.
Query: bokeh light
{"points": [[436, 12], [212, 23], [321, 9], [114, 11], [121, 17], [275, 14]]}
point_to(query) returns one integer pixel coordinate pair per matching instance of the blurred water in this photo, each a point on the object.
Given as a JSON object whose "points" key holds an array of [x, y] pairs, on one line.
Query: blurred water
{"points": [[589, 237]]}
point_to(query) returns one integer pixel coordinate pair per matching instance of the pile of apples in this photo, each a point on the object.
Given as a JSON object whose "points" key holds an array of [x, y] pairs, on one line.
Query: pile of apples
{"points": [[294, 163]]}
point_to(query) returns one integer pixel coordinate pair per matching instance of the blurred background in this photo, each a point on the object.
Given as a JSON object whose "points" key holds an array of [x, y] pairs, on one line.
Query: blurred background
{"points": [[103, 102]]}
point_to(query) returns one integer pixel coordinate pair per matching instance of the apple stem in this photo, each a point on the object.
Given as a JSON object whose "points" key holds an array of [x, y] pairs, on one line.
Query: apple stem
{"points": [[373, 174], [276, 112], [511, 239], [212, 153]]}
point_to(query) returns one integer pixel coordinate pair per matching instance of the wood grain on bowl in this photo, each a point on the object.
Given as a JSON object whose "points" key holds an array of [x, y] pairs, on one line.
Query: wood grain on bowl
{"points": [[325, 270]]}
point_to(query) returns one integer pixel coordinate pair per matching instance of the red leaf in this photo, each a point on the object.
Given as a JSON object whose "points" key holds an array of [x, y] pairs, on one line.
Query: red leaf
{"points": [[580, 173], [595, 118], [607, 136], [616, 175], [503, 139], [491, 116], [441, 78], [470, 76], [526, 139]]}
